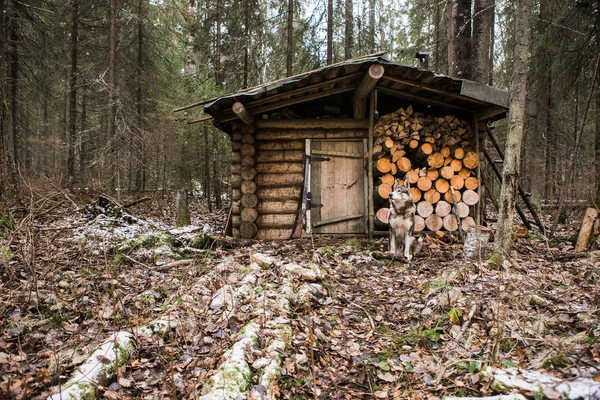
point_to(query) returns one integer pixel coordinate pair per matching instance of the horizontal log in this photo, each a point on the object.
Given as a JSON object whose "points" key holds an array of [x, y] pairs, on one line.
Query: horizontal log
{"points": [[248, 173], [277, 207], [279, 156], [279, 193], [419, 223], [236, 194], [249, 214], [278, 180], [248, 138], [248, 187], [236, 157], [279, 168], [248, 230], [323, 123], [280, 145], [434, 222], [274, 234], [236, 181], [248, 161], [236, 169], [249, 200], [276, 221], [248, 150], [236, 207], [312, 134], [450, 223]]}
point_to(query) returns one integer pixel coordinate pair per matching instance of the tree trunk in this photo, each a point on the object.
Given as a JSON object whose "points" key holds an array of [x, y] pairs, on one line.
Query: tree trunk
{"points": [[140, 156], [349, 30], [329, 32], [182, 207], [371, 26], [290, 39], [207, 180], [483, 27], [189, 69], [218, 46], [83, 140], [459, 40], [112, 103], [247, 42], [516, 117], [73, 92]]}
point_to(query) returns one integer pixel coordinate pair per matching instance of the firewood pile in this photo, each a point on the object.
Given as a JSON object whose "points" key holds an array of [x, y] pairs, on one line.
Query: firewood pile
{"points": [[436, 155]]}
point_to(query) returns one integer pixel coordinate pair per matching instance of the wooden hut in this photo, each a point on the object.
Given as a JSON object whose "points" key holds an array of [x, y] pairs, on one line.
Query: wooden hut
{"points": [[354, 113]]}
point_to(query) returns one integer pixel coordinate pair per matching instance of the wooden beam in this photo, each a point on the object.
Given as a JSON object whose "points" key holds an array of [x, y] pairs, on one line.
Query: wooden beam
{"points": [[495, 96], [243, 114], [431, 88], [490, 113], [289, 102], [200, 120], [200, 103], [323, 123], [371, 205], [422, 100], [367, 84]]}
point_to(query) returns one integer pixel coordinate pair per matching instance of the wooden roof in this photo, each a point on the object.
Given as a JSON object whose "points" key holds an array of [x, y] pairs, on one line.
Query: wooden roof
{"points": [[402, 81]]}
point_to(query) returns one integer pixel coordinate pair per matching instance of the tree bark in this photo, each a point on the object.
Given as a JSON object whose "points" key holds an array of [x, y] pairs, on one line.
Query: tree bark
{"points": [[140, 171], [112, 103], [290, 39], [483, 28], [516, 119], [189, 69], [247, 42], [329, 32], [218, 46], [349, 30], [459, 39], [207, 180], [371, 26], [73, 92]]}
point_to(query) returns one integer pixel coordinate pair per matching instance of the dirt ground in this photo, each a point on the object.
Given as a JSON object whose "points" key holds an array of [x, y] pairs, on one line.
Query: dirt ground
{"points": [[373, 327]]}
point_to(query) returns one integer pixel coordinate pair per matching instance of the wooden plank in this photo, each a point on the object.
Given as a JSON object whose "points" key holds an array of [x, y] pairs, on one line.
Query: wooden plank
{"points": [[365, 87], [313, 123], [495, 96], [371, 205], [292, 101], [338, 186], [338, 153], [338, 219], [421, 100], [291, 134]]}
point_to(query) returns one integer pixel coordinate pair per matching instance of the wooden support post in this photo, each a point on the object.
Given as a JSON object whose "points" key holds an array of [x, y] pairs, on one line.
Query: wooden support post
{"points": [[367, 84], [370, 160], [499, 176], [525, 198], [481, 204], [243, 114]]}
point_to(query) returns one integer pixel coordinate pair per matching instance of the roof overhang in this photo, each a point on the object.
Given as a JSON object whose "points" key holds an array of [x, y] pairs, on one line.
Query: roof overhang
{"points": [[402, 81]]}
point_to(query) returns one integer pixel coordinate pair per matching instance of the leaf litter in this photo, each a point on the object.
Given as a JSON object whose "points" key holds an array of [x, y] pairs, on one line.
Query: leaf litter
{"points": [[361, 326]]}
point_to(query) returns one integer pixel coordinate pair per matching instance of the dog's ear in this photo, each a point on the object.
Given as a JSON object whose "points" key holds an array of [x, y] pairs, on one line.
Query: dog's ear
{"points": [[407, 183]]}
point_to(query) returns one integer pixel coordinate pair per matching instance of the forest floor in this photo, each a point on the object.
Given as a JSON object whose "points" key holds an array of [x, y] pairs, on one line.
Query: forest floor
{"points": [[358, 326]]}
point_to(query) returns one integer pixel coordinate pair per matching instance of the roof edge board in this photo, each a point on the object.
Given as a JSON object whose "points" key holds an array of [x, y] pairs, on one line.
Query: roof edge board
{"points": [[492, 95]]}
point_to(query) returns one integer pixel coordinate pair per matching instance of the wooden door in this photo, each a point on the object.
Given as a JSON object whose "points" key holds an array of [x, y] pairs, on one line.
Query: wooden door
{"points": [[339, 185]]}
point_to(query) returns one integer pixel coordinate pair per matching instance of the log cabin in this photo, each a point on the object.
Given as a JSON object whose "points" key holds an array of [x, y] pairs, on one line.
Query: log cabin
{"points": [[345, 133]]}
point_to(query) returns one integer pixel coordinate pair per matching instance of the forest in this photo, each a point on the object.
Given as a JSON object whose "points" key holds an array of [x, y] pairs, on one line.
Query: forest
{"points": [[134, 208]]}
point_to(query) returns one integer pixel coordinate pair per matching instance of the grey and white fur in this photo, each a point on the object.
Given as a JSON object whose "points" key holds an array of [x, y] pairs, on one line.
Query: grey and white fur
{"points": [[402, 222]]}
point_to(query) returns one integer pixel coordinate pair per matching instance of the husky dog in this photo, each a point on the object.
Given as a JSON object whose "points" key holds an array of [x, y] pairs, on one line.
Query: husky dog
{"points": [[402, 222]]}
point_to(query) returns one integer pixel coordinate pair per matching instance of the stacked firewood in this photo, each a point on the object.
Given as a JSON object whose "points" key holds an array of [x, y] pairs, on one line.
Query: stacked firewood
{"points": [[435, 154]]}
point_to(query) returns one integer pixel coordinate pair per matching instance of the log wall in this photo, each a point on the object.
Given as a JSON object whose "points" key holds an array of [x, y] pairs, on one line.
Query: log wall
{"points": [[267, 194]]}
